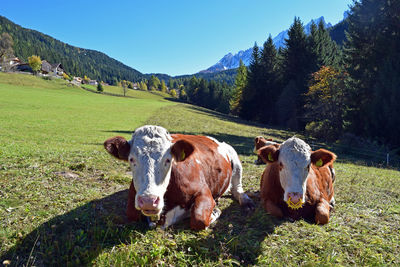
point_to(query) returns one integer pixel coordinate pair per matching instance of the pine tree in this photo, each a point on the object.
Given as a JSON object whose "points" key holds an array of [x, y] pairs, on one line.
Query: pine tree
{"points": [[192, 90], [323, 51], [372, 58], [268, 88], [240, 84], [247, 108], [171, 84], [296, 72]]}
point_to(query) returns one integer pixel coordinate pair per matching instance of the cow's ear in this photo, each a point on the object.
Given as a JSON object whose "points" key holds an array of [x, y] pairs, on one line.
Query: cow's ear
{"points": [[181, 150], [118, 147], [259, 142], [321, 157], [269, 153]]}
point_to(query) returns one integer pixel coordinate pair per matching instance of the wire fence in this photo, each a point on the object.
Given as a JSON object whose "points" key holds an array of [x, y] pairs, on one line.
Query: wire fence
{"points": [[372, 156]]}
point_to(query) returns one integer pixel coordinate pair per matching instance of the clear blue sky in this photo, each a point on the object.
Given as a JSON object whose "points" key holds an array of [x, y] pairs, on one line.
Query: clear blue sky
{"points": [[160, 36]]}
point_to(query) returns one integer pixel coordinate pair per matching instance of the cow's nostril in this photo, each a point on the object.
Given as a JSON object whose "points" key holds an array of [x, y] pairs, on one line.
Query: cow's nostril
{"points": [[294, 197], [148, 201]]}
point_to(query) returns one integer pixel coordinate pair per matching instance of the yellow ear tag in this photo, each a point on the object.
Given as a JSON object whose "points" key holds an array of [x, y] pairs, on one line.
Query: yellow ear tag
{"points": [[270, 157], [183, 155], [319, 163]]}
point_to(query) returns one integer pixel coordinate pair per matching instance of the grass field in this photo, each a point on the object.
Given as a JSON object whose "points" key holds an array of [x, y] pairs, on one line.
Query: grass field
{"points": [[62, 197], [116, 90]]}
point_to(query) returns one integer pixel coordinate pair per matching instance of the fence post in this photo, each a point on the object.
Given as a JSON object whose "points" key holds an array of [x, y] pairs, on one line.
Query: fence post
{"points": [[387, 159]]}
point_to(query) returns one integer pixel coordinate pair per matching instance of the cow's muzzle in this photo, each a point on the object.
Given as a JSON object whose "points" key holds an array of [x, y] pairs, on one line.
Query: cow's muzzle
{"points": [[149, 205], [295, 200]]}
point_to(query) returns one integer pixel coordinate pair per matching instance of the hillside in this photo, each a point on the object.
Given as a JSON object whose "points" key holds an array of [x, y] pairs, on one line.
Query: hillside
{"points": [[76, 61], [227, 76], [63, 198]]}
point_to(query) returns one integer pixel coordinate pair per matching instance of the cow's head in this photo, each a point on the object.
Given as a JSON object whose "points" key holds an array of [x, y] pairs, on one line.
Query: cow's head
{"points": [[260, 142], [295, 158], [151, 155]]}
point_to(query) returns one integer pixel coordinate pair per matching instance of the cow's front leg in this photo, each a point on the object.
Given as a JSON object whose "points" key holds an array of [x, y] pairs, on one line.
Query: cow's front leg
{"points": [[132, 213], [322, 212], [202, 209], [272, 208]]}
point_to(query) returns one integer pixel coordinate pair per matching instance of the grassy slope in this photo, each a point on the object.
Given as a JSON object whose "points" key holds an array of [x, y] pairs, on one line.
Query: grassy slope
{"points": [[115, 90], [70, 221]]}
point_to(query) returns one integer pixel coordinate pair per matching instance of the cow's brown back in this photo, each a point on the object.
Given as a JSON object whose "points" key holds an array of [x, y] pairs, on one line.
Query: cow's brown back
{"points": [[204, 168]]}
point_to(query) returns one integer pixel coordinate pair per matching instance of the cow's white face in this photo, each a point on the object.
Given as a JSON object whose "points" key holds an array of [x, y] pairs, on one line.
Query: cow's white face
{"points": [[294, 161], [151, 161], [294, 157], [150, 153]]}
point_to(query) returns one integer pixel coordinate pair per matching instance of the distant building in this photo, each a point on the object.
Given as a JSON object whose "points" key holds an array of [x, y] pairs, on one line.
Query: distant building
{"points": [[55, 69], [77, 81], [93, 82], [9, 63]]}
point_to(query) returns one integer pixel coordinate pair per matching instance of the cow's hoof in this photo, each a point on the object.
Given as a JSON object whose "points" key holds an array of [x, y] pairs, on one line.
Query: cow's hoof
{"points": [[247, 204], [215, 214], [150, 223]]}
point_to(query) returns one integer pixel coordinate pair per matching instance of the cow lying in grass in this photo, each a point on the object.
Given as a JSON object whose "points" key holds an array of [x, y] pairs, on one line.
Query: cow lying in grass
{"points": [[178, 175], [260, 142], [297, 182]]}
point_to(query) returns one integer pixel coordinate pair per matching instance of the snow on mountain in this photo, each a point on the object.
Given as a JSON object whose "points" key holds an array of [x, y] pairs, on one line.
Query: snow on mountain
{"points": [[230, 61]]}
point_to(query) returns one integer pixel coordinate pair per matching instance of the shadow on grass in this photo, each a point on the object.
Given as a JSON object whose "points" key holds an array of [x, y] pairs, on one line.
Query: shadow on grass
{"points": [[235, 235], [119, 131], [76, 237], [243, 145]]}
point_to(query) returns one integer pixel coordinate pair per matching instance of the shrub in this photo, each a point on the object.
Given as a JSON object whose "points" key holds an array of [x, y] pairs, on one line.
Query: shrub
{"points": [[173, 93], [100, 87]]}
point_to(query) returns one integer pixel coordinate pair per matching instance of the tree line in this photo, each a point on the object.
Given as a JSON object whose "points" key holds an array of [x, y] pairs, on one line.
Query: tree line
{"points": [[313, 84]]}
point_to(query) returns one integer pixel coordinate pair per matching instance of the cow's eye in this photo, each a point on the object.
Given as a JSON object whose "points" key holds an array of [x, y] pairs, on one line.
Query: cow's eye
{"points": [[132, 161], [167, 162]]}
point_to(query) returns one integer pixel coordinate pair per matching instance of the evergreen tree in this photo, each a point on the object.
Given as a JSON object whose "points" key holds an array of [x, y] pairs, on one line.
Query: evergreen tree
{"points": [[296, 72], [247, 108], [372, 58], [100, 87], [192, 90], [171, 84], [268, 88], [203, 94], [240, 84], [322, 50]]}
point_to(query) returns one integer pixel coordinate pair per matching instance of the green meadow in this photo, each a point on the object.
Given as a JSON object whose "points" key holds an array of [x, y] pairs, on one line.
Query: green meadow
{"points": [[63, 198]]}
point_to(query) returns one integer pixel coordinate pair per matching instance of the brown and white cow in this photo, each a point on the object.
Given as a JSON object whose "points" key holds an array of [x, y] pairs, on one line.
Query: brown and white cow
{"points": [[297, 182], [178, 176], [260, 142]]}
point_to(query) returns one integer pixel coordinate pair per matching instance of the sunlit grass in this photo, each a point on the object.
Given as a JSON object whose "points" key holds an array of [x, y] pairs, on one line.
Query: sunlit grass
{"points": [[62, 197]]}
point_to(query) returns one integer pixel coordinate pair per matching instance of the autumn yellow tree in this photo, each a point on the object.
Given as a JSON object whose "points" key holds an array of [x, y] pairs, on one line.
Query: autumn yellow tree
{"points": [[35, 63], [173, 93], [325, 103]]}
